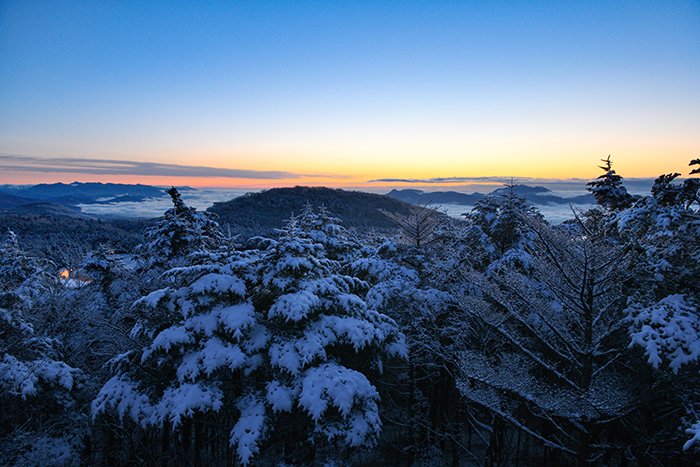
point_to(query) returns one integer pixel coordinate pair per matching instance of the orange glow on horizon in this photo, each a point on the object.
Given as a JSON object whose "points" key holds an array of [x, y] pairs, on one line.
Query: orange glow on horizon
{"points": [[357, 172]]}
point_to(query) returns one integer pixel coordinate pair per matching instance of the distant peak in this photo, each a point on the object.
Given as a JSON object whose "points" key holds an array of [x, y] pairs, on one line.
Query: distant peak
{"points": [[406, 190]]}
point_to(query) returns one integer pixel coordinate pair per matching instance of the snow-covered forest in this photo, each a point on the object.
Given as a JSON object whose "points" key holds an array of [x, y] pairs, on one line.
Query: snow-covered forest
{"points": [[494, 340]]}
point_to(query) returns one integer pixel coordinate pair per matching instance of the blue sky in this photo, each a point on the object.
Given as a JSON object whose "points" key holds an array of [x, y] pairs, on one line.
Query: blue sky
{"points": [[355, 89]]}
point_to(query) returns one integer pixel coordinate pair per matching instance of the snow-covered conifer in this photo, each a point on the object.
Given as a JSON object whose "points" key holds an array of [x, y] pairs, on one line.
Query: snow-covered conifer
{"points": [[36, 396], [608, 189], [22, 276], [36, 386], [182, 231], [663, 314], [324, 228], [252, 337], [320, 327], [503, 217]]}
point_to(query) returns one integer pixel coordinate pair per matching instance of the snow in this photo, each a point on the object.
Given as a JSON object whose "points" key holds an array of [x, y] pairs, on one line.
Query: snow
{"points": [[294, 306], [693, 430], [153, 299], [285, 356], [336, 385], [258, 338], [215, 354], [185, 399], [167, 339], [16, 377], [303, 330], [343, 329], [667, 330], [24, 377], [218, 283], [349, 391], [205, 323], [350, 303], [237, 318], [248, 430], [280, 397], [57, 373], [176, 402], [253, 333], [123, 395]]}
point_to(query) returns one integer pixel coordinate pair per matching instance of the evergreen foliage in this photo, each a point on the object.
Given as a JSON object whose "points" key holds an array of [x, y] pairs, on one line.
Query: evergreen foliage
{"points": [[608, 189], [497, 339]]}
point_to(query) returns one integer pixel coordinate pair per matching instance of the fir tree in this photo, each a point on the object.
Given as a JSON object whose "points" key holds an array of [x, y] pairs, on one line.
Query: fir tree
{"points": [[182, 231], [663, 314], [503, 218], [276, 342], [103, 269], [22, 277], [324, 228], [608, 189], [39, 424]]}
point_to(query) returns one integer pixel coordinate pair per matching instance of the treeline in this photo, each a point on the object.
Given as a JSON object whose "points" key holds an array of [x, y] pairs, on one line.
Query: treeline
{"points": [[60, 237], [494, 340]]}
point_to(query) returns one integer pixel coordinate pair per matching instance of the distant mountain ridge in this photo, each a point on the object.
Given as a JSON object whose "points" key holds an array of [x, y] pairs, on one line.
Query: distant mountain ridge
{"points": [[84, 193], [70, 195], [434, 197], [534, 195]]}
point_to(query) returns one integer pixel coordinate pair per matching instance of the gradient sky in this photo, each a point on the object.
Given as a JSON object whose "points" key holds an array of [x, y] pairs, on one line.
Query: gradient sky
{"points": [[339, 93]]}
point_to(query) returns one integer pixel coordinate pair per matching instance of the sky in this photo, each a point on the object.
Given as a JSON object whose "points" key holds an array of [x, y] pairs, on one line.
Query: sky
{"points": [[272, 93]]}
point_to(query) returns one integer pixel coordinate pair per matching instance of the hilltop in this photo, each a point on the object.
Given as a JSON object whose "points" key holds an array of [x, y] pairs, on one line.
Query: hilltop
{"points": [[270, 208]]}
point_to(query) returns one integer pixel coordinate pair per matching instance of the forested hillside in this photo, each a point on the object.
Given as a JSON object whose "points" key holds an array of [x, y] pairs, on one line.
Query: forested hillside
{"points": [[269, 209], [494, 340], [55, 232]]}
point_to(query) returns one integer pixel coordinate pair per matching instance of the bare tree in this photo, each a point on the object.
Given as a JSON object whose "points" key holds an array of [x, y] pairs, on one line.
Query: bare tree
{"points": [[549, 345], [419, 228]]}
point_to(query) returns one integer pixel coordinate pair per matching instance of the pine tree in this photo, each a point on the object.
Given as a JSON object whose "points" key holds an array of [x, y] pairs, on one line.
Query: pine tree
{"points": [[182, 231], [102, 268], [687, 193], [90, 310], [38, 416], [323, 228], [663, 314], [276, 343], [322, 333], [22, 277], [608, 189], [499, 231]]}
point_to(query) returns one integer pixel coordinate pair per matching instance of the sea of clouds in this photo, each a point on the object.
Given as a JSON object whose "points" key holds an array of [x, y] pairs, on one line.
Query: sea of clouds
{"points": [[155, 207], [204, 198]]}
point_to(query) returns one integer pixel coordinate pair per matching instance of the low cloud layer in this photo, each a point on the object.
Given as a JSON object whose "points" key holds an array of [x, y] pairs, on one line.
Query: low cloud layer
{"points": [[121, 167], [635, 183], [440, 180]]}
